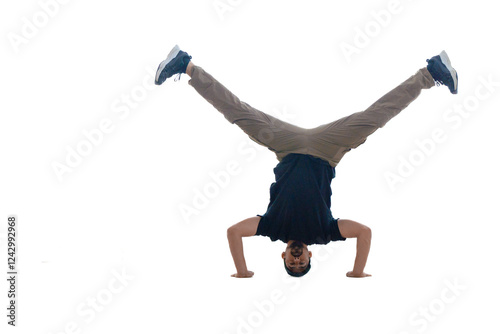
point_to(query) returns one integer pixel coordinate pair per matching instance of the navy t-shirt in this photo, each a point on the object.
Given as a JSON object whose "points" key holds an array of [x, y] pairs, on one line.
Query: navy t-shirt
{"points": [[299, 207]]}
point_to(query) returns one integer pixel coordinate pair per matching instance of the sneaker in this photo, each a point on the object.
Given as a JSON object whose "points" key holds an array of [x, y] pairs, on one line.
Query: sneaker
{"points": [[176, 63], [442, 72]]}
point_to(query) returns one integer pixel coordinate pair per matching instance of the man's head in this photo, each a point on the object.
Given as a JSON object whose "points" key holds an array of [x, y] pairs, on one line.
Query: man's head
{"points": [[296, 258]]}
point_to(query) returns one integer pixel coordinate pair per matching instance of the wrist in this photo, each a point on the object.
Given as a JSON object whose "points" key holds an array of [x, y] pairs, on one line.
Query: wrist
{"points": [[357, 272]]}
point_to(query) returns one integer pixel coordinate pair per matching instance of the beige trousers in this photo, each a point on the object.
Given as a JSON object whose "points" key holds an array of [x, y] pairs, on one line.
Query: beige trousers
{"points": [[328, 141]]}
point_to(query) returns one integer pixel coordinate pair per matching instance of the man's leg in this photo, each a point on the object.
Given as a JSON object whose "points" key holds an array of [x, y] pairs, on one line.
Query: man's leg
{"points": [[279, 136], [331, 141]]}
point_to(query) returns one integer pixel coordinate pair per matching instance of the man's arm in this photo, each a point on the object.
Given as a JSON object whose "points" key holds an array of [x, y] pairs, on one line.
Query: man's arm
{"points": [[245, 228], [352, 229]]}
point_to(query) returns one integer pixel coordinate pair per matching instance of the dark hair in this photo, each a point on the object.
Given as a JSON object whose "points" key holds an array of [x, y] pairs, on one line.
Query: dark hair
{"points": [[299, 274]]}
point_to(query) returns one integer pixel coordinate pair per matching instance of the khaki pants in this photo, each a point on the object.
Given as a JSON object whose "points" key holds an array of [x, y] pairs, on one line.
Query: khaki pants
{"points": [[328, 141]]}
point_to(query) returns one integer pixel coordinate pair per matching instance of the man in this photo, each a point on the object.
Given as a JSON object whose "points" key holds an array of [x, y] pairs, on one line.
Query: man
{"points": [[299, 211]]}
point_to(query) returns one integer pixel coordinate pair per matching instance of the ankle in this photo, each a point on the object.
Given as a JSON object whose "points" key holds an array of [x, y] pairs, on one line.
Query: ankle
{"points": [[189, 68]]}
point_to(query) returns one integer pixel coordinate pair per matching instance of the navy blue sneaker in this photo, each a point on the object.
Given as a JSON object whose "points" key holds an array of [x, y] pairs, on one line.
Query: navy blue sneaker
{"points": [[176, 63], [442, 72]]}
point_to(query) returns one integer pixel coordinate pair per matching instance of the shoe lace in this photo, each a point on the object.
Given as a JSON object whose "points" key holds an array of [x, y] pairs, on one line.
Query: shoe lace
{"points": [[177, 78]]}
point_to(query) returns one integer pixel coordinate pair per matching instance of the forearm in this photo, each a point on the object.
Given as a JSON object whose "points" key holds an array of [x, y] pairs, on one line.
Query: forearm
{"points": [[362, 250], [236, 247]]}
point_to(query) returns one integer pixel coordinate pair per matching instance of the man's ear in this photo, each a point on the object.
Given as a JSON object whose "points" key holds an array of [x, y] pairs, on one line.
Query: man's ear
{"points": [[283, 255], [310, 254]]}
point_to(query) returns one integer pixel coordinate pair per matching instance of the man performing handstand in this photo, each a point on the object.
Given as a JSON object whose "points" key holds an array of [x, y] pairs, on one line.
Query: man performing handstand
{"points": [[299, 212]]}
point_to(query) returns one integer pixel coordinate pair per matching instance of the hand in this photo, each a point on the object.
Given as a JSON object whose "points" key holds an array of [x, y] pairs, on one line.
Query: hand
{"points": [[247, 274], [353, 274]]}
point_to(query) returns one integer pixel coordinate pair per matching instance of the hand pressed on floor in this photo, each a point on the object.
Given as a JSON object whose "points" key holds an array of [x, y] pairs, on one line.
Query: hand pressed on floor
{"points": [[357, 275], [248, 274]]}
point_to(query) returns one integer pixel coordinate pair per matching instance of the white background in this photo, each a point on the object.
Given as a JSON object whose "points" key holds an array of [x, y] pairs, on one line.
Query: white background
{"points": [[119, 209]]}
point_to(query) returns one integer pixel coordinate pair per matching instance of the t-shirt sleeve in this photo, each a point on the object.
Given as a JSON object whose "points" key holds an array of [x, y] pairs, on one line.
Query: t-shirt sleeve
{"points": [[262, 227], [266, 229], [336, 236]]}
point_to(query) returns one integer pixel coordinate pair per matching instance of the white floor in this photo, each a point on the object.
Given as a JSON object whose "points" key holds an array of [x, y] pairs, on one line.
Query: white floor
{"points": [[123, 191]]}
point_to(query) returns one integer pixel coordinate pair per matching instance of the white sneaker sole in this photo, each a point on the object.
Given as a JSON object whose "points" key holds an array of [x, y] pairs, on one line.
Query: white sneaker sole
{"points": [[446, 61], [171, 55]]}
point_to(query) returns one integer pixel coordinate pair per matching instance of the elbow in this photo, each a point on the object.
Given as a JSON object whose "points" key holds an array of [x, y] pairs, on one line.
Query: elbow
{"points": [[366, 233], [233, 233], [369, 233], [230, 232]]}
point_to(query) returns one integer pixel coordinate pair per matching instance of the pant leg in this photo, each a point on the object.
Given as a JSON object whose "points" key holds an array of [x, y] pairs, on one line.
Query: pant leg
{"points": [[271, 132], [331, 141]]}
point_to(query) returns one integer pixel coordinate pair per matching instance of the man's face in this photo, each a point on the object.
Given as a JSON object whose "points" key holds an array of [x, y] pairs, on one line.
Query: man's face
{"points": [[296, 256]]}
